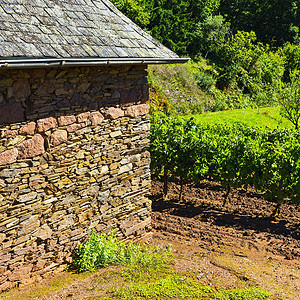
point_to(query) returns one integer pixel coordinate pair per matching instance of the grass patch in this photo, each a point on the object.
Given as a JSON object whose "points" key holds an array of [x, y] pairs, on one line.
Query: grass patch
{"points": [[175, 286], [266, 117], [176, 85]]}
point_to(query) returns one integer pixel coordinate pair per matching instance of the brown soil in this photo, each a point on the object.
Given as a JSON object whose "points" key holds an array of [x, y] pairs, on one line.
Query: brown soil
{"points": [[233, 245], [237, 245]]}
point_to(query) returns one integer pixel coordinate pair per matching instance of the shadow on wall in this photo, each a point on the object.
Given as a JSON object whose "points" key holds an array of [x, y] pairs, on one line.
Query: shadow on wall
{"points": [[32, 94]]}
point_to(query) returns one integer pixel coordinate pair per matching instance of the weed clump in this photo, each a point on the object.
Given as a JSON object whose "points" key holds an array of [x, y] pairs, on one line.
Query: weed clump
{"points": [[105, 250]]}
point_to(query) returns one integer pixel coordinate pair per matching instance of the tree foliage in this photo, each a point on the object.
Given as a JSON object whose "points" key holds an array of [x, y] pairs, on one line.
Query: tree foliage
{"points": [[137, 10], [270, 19], [289, 99]]}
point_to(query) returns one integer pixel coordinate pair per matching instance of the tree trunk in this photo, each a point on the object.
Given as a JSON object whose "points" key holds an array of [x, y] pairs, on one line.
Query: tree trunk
{"points": [[227, 194], [181, 188], [166, 177], [276, 210]]}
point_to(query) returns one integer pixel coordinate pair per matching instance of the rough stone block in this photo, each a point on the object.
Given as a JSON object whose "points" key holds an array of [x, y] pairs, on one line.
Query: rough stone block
{"points": [[113, 113], [46, 124], [137, 110], [96, 118], [31, 148], [74, 127], [66, 120], [10, 133], [58, 137], [83, 117], [28, 129], [44, 232], [8, 156]]}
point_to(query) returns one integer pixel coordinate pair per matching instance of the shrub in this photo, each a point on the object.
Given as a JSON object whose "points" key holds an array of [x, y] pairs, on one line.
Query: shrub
{"points": [[105, 249]]}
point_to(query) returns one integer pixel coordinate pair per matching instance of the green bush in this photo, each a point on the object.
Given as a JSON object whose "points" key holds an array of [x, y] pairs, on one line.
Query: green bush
{"points": [[105, 249]]}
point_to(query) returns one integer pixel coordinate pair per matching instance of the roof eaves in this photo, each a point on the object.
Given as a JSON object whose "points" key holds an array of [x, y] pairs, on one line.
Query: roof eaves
{"points": [[65, 62]]}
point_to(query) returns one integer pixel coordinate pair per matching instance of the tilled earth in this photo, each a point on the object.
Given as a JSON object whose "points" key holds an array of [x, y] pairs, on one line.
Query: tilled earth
{"points": [[232, 246], [244, 221], [229, 245]]}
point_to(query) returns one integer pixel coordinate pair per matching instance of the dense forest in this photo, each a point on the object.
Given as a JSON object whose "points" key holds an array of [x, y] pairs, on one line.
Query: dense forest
{"points": [[245, 53]]}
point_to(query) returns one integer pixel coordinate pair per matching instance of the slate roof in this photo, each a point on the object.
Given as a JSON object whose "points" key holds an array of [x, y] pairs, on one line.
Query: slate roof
{"points": [[82, 29]]}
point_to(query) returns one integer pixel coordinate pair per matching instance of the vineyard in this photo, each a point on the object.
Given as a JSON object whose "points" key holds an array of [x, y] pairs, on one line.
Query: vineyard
{"points": [[233, 155]]}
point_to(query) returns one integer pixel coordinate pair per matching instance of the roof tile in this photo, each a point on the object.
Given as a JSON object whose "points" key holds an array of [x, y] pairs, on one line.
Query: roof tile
{"points": [[72, 28]]}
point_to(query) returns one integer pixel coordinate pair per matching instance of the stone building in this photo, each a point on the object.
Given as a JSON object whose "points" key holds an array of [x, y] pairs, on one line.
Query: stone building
{"points": [[73, 130]]}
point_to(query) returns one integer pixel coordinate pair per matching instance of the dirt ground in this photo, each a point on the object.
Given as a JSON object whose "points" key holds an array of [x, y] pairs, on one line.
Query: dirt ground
{"points": [[231, 246], [234, 246]]}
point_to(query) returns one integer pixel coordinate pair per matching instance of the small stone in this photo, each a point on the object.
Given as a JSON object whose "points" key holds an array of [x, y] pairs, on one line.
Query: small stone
{"points": [[104, 169], [58, 137], [115, 133], [8, 156], [114, 113], [66, 120], [28, 129], [125, 168], [96, 118], [31, 148], [16, 140], [2, 237], [28, 197], [82, 87], [46, 124], [44, 232]]}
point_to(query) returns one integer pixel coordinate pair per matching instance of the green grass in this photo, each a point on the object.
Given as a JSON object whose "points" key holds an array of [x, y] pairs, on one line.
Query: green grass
{"points": [[268, 116], [175, 286]]}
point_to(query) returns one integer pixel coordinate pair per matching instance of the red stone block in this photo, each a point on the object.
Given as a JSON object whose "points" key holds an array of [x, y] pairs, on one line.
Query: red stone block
{"points": [[114, 113], [31, 148], [8, 156], [46, 124], [96, 118], [28, 129]]}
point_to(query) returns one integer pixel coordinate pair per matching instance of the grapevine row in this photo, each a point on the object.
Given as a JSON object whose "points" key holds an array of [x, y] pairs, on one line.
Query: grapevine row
{"points": [[233, 155]]}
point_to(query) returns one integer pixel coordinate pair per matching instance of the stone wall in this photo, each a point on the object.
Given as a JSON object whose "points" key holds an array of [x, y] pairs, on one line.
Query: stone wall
{"points": [[73, 156]]}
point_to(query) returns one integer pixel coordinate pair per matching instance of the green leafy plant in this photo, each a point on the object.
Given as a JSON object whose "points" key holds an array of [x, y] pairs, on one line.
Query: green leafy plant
{"points": [[105, 249], [233, 155]]}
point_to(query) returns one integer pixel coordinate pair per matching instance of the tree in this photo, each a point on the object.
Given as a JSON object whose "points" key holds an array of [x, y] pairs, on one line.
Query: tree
{"points": [[174, 22], [270, 19], [136, 10], [211, 35], [289, 99]]}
